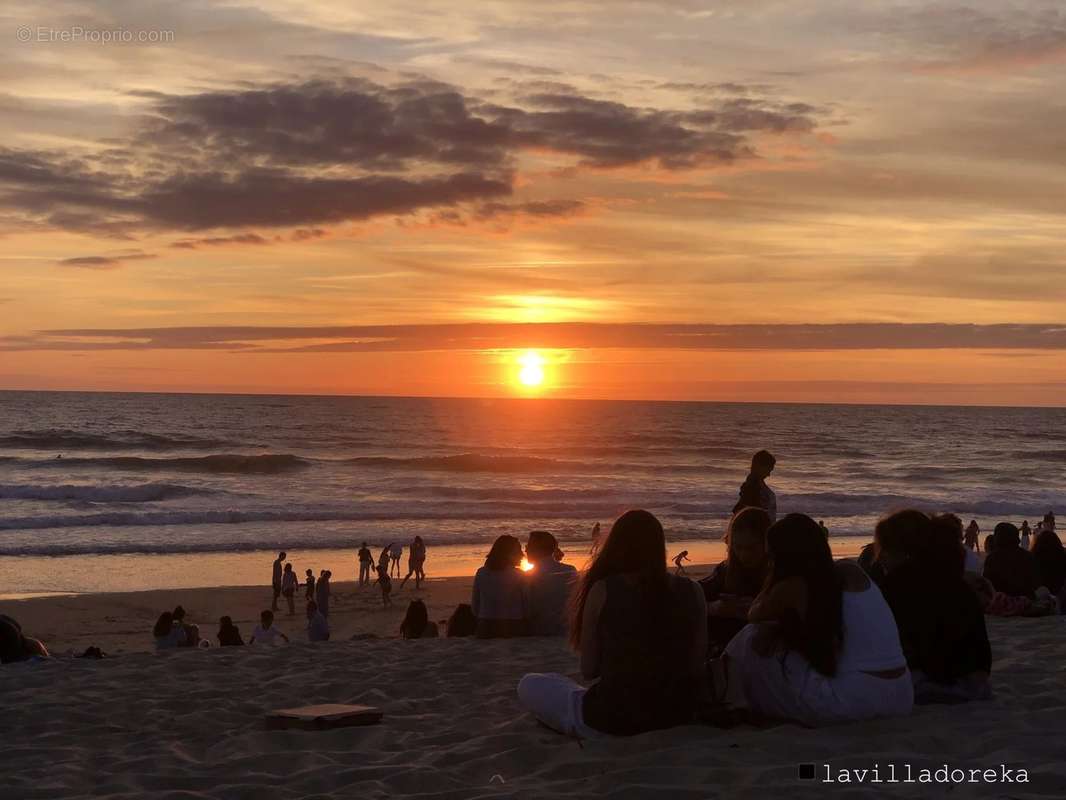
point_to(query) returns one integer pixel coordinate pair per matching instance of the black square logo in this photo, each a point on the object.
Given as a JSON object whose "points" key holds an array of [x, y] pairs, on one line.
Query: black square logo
{"points": [[806, 772]]}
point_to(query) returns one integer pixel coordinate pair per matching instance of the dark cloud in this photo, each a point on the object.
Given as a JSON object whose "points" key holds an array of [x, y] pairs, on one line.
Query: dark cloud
{"points": [[103, 262], [488, 336], [324, 151]]}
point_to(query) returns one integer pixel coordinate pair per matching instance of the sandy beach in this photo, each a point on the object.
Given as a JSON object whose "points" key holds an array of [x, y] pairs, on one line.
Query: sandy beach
{"points": [[189, 724]]}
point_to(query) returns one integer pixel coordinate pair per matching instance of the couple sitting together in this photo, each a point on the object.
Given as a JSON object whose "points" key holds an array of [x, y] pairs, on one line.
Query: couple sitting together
{"points": [[508, 601], [798, 635]]}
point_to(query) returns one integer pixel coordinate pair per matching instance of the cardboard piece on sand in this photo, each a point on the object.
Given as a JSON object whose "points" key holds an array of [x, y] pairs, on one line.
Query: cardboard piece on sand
{"points": [[323, 717]]}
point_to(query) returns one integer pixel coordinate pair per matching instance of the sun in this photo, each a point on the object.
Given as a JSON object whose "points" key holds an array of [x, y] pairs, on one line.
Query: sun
{"points": [[531, 374]]}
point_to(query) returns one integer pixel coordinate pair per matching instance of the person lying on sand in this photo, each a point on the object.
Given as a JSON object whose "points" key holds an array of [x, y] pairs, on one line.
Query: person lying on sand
{"points": [[641, 633], [15, 646]]}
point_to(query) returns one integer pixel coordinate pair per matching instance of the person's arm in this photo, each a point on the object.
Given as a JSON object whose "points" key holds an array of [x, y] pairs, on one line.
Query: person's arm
{"points": [[590, 620], [771, 605]]}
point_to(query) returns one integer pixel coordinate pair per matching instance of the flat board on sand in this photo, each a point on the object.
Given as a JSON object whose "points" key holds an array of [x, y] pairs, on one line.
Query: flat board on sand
{"points": [[323, 717]]}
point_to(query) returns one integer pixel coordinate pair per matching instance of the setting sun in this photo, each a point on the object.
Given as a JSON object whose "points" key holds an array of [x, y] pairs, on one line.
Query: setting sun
{"points": [[531, 373]]}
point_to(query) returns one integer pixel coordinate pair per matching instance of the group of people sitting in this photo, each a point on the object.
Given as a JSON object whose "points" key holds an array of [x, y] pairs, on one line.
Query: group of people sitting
{"points": [[780, 629], [172, 631]]}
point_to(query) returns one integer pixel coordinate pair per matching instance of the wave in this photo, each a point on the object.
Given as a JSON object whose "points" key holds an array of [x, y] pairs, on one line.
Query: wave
{"points": [[468, 462], [140, 493], [61, 439], [267, 464]]}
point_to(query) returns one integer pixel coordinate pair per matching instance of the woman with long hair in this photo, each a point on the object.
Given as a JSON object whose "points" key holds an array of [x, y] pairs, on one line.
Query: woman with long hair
{"points": [[641, 634], [1050, 560], [416, 623], [499, 598], [823, 646], [733, 585], [416, 560], [167, 633]]}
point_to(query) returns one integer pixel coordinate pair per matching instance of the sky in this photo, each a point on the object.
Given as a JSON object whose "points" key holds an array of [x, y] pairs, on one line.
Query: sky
{"points": [[821, 201]]}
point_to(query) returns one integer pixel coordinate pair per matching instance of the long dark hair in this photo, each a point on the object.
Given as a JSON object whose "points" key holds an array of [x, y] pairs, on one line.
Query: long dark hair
{"points": [[163, 625], [799, 549], [1050, 558], [739, 578], [415, 621], [506, 553], [636, 545]]}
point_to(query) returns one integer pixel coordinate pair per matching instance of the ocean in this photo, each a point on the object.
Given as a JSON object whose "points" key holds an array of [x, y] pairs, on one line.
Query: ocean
{"points": [[99, 474]]}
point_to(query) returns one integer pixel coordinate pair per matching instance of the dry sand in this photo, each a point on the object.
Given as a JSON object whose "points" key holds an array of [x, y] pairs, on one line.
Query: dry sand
{"points": [[189, 724]]}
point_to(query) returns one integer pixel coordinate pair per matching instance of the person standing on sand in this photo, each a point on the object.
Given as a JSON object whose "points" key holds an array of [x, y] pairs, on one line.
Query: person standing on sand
{"points": [[386, 586], [276, 579], [289, 583], [383, 559], [754, 493], [972, 535], [416, 558], [395, 554], [322, 592], [678, 559], [366, 564], [310, 584]]}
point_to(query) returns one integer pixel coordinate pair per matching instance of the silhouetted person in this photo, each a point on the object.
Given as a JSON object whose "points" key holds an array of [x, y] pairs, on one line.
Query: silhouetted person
{"points": [[754, 493], [317, 624], [679, 568], [366, 564], [229, 635], [16, 646], [549, 584], [734, 584], [462, 622], [395, 554], [289, 582], [322, 592], [167, 635], [972, 535], [499, 597], [416, 560], [191, 632], [641, 634], [276, 579], [416, 623], [1008, 568], [265, 632], [1050, 560], [309, 583], [385, 582]]}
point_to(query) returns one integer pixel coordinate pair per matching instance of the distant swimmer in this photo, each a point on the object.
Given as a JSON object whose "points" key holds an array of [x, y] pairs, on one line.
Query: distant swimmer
{"points": [[678, 559]]}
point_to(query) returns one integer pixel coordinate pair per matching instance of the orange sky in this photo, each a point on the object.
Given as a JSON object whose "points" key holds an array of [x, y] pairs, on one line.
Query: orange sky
{"points": [[292, 167]]}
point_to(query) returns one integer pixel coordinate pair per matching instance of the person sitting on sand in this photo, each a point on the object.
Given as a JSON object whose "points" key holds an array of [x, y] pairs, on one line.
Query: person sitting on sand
{"points": [[317, 624], [265, 632], [395, 554], [679, 568], [416, 623], [191, 633], [1010, 569], [548, 586], [1050, 560], [462, 622], [289, 582], [276, 578], [754, 493], [322, 592], [734, 584], [499, 598], [940, 619], [641, 634], [229, 635], [416, 559], [16, 646], [385, 582], [366, 563], [167, 634], [309, 584], [823, 646]]}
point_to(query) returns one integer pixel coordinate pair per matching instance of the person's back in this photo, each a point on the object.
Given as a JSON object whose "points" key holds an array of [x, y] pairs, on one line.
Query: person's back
{"points": [[549, 586], [940, 621], [1012, 571], [754, 493], [646, 643], [499, 602]]}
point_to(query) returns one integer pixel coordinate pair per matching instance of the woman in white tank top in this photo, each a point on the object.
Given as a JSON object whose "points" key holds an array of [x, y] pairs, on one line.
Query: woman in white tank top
{"points": [[823, 646]]}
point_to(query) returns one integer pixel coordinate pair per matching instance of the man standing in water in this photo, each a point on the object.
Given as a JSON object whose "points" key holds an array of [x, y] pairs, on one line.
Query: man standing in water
{"points": [[278, 567], [754, 492]]}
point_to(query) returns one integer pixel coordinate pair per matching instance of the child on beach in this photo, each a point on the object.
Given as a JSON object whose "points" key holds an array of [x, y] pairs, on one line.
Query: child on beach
{"points": [[395, 554], [682, 556], [386, 586], [289, 583], [309, 582], [229, 635], [265, 632]]}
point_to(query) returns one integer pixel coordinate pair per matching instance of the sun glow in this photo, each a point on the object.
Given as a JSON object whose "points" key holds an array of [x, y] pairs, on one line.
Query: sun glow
{"points": [[531, 373], [526, 566]]}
